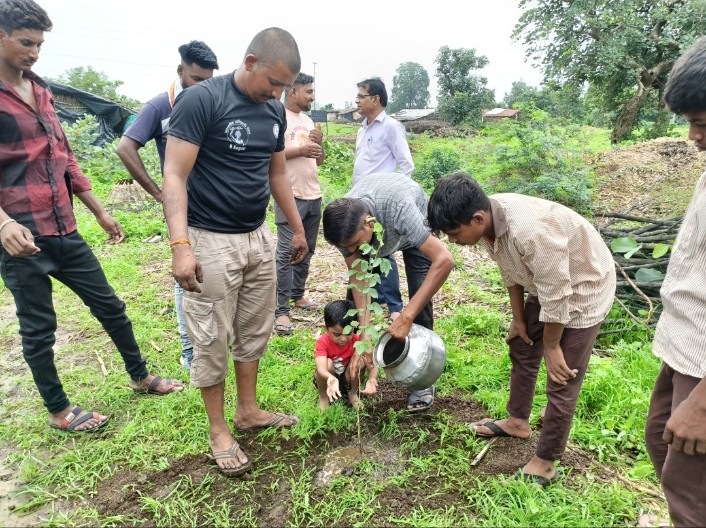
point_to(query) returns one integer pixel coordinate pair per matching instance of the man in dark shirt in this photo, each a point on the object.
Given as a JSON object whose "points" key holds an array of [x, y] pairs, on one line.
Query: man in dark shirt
{"points": [[152, 123], [38, 173], [225, 153]]}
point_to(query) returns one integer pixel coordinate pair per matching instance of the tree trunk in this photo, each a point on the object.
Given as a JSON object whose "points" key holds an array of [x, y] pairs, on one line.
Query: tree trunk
{"points": [[628, 115]]}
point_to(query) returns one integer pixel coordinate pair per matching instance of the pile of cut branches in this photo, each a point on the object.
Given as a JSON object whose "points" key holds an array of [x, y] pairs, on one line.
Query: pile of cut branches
{"points": [[640, 249]]}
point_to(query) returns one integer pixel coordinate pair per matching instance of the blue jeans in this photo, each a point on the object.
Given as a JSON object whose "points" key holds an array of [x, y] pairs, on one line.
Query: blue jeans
{"points": [[187, 350], [389, 289]]}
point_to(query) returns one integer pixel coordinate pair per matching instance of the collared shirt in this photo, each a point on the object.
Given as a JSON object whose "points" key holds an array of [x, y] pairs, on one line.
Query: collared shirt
{"points": [[35, 156], [400, 205], [380, 147], [555, 254], [680, 338]]}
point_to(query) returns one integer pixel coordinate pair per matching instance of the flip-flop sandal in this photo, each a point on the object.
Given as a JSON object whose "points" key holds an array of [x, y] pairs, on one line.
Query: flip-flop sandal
{"points": [[275, 421], [283, 329], [152, 387], [490, 424], [497, 430], [74, 419], [232, 452], [536, 479], [424, 396]]}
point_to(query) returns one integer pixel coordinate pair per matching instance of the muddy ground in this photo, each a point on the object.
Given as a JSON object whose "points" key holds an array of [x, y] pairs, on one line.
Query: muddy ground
{"points": [[120, 494]]}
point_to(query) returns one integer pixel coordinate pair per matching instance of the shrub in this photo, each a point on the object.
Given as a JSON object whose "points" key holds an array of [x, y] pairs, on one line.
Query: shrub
{"points": [[436, 163], [99, 163], [538, 158], [336, 174]]}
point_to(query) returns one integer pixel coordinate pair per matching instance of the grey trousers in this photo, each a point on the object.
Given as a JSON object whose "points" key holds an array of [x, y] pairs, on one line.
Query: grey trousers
{"points": [[291, 280]]}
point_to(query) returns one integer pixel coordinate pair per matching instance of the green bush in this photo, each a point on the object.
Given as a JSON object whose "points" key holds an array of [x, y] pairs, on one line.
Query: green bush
{"points": [[537, 157], [336, 174], [98, 162], [436, 163]]}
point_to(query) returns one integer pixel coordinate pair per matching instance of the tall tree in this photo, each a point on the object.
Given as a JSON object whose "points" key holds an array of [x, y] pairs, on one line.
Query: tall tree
{"points": [[624, 48], [410, 87], [97, 83], [462, 93]]}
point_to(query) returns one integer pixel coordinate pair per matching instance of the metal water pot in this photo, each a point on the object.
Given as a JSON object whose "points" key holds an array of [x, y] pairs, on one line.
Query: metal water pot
{"points": [[416, 362]]}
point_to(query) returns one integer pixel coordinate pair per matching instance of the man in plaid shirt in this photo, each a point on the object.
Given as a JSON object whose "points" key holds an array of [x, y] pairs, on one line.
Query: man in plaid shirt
{"points": [[38, 232]]}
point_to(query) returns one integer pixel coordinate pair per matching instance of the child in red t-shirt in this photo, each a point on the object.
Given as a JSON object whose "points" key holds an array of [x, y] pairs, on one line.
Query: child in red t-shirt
{"points": [[333, 352]]}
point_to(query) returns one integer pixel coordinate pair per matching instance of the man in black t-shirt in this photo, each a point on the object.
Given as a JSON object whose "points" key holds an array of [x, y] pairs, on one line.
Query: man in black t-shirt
{"points": [[225, 154]]}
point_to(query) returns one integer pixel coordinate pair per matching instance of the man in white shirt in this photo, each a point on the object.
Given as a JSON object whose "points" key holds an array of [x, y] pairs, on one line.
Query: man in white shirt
{"points": [[381, 147]]}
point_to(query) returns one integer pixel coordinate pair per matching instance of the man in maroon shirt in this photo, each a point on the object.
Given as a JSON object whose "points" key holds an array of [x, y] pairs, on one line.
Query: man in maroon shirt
{"points": [[38, 234]]}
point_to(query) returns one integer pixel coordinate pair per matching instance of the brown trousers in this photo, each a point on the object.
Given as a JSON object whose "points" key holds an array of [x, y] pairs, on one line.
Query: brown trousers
{"points": [[577, 344], [683, 477]]}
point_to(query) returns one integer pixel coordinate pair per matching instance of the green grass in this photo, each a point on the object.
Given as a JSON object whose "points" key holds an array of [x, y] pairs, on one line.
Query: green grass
{"points": [[148, 435]]}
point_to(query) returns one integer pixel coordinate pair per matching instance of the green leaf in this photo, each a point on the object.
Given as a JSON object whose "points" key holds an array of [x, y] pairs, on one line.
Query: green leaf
{"points": [[362, 346], [660, 250], [376, 308], [624, 245], [642, 469], [352, 312], [632, 252], [648, 275], [348, 329]]}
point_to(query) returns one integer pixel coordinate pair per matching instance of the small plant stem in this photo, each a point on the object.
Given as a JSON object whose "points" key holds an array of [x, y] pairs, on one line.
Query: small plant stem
{"points": [[357, 411]]}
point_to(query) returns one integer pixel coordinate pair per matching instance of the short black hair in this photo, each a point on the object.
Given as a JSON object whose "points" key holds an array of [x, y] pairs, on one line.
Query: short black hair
{"points": [[375, 86], [335, 313], [686, 89], [343, 218], [454, 201], [23, 14], [198, 52], [273, 45], [303, 78]]}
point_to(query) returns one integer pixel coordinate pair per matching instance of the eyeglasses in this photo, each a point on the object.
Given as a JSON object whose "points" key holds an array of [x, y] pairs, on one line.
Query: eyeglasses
{"points": [[363, 96]]}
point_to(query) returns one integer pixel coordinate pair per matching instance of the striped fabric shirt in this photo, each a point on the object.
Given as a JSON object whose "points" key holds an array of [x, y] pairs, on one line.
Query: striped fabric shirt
{"points": [[36, 163], [400, 205], [555, 254], [680, 338]]}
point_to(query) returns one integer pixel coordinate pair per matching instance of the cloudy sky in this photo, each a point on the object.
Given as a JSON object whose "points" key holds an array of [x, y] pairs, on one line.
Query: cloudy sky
{"points": [[136, 41]]}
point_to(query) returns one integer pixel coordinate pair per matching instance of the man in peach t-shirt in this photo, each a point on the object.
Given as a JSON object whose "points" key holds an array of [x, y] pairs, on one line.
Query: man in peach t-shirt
{"points": [[303, 148]]}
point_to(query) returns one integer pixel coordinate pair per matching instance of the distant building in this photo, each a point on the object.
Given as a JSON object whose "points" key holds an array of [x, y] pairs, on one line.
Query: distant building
{"points": [[498, 114], [349, 115], [413, 114]]}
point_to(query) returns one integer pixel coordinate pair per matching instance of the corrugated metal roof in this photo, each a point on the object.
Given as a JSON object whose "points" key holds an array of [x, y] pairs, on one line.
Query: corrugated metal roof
{"points": [[501, 112], [412, 114]]}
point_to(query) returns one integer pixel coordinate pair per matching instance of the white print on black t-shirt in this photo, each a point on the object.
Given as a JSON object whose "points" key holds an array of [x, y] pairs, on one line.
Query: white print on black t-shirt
{"points": [[238, 133], [275, 130]]}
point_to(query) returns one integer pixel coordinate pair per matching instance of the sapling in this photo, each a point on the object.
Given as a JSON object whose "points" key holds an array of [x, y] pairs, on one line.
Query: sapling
{"points": [[364, 276]]}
